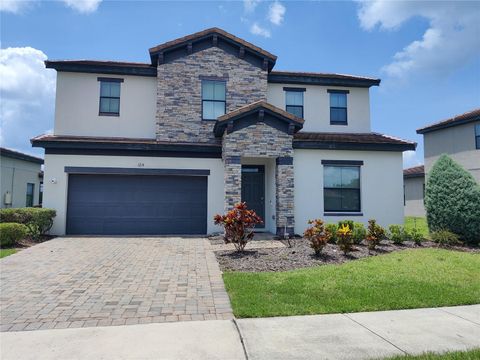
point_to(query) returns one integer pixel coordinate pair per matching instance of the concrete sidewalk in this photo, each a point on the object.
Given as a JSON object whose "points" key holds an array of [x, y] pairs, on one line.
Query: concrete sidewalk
{"points": [[339, 336]]}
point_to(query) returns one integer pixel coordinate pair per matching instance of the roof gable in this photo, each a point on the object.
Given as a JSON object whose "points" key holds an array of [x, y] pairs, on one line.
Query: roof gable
{"points": [[205, 39], [259, 111]]}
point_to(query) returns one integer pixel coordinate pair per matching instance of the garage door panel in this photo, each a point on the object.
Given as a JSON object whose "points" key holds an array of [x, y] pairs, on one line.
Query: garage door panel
{"points": [[136, 205]]}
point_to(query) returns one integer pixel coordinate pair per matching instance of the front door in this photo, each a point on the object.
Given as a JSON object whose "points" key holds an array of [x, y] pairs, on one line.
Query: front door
{"points": [[253, 188]]}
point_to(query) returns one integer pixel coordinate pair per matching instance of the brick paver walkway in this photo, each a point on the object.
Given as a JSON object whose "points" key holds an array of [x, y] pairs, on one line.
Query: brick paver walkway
{"points": [[82, 282]]}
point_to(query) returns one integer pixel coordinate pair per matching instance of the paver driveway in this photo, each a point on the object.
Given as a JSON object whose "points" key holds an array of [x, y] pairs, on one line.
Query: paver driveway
{"points": [[81, 282]]}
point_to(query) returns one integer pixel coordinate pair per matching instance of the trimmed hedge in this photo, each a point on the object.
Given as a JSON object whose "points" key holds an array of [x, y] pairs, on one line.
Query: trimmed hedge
{"points": [[10, 233], [452, 200], [37, 220]]}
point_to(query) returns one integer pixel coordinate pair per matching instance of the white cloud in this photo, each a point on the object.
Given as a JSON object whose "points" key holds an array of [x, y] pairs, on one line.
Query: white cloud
{"points": [[27, 96], [15, 6], [83, 6], [451, 40], [250, 5], [18, 6], [276, 13], [256, 29], [410, 159]]}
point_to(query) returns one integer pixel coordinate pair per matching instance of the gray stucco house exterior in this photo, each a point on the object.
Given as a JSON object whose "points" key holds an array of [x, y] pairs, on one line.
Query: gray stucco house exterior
{"points": [[459, 137], [161, 147], [21, 179], [414, 191]]}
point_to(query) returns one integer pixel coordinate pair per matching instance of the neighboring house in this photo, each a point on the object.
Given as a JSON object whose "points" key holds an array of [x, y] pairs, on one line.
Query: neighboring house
{"points": [[21, 179], [160, 148], [459, 137], [414, 191]]}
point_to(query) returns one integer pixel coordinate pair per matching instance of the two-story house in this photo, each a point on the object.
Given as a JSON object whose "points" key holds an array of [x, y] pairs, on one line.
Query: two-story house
{"points": [[161, 147], [459, 137]]}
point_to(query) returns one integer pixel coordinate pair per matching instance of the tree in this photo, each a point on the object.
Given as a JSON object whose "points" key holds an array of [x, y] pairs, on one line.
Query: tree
{"points": [[452, 200]]}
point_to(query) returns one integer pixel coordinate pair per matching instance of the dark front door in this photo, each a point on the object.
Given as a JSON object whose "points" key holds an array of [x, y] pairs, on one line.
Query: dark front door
{"points": [[136, 205], [253, 188]]}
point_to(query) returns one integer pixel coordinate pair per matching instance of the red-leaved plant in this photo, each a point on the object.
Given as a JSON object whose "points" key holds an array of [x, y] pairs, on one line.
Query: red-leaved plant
{"points": [[239, 224], [318, 235]]}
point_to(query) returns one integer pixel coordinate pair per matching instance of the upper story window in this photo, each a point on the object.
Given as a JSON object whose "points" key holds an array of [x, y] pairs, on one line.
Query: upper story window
{"points": [[341, 188], [294, 101], [477, 136], [110, 96], [338, 107], [213, 99]]}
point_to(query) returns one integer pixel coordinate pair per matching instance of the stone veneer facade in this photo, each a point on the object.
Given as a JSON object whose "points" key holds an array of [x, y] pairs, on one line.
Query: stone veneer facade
{"points": [[254, 141], [179, 119], [179, 92]]}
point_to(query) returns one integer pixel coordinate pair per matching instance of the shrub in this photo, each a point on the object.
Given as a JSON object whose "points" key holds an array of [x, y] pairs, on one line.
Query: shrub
{"points": [[238, 224], [344, 239], [359, 233], [452, 200], [10, 233], [332, 228], [415, 235], [346, 222], [38, 220], [318, 235], [397, 234], [375, 234], [445, 238]]}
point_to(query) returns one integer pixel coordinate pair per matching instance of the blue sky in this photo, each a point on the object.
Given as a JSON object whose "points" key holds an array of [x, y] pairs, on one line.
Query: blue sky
{"points": [[426, 53]]}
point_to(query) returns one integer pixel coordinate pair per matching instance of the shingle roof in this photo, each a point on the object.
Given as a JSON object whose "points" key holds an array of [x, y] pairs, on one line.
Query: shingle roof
{"points": [[464, 118], [323, 75], [20, 156], [257, 104], [103, 67], [110, 140], [278, 114], [367, 141], [214, 30], [416, 171], [327, 79], [49, 63]]}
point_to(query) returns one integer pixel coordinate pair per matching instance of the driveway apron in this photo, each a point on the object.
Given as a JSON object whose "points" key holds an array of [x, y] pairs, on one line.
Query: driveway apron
{"points": [[86, 281]]}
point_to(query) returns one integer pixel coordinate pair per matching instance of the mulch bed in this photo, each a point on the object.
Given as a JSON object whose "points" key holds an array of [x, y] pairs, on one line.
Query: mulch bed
{"points": [[28, 242], [301, 255]]}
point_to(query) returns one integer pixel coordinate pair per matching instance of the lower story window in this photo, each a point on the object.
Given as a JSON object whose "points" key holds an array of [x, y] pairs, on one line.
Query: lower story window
{"points": [[341, 188], [30, 192]]}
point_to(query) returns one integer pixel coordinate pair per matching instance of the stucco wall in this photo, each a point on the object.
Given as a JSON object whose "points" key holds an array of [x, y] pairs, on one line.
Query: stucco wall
{"points": [[414, 196], [179, 90], [55, 194], [381, 179], [316, 102], [77, 107], [15, 174], [458, 142]]}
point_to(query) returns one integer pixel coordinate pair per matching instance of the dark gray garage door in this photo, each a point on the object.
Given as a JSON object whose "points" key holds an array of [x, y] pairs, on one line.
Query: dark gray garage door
{"points": [[136, 205]]}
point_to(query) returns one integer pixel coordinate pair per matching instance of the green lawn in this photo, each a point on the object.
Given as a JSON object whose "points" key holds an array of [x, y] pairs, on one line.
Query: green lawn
{"points": [[6, 252], [419, 222], [405, 279], [455, 355]]}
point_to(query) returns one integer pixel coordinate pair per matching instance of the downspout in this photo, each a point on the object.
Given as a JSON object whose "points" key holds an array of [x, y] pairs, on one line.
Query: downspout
{"points": [[13, 181]]}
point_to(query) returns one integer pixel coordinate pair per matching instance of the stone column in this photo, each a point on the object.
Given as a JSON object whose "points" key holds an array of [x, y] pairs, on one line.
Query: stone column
{"points": [[233, 181], [284, 195]]}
